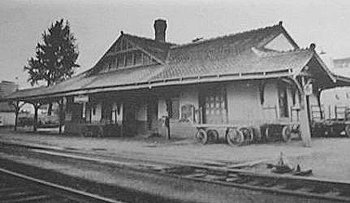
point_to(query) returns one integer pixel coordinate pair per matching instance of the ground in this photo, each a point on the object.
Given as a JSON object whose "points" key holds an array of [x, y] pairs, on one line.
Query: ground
{"points": [[328, 157]]}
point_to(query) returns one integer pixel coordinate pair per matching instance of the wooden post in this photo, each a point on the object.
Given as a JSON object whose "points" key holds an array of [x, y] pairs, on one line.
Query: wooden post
{"points": [[335, 112], [17, 108], [35, 123], [319, 104], [167, 118], [60, 115], [121, 114], [304, 118]]}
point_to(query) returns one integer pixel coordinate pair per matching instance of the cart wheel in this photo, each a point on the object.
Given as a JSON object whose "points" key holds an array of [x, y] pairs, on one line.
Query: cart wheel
{"points": [[234, 137], [202, 136], [83, 132], [286, 133], [213, 135], [347, 130], [251, 130], [247, 133]]}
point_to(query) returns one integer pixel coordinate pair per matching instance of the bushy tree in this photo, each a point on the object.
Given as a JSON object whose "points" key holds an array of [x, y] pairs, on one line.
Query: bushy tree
{"points": [[55, 58]]}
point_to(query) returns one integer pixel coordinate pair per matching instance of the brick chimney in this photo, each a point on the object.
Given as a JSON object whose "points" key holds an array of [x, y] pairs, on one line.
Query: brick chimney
{"points": [[159, 30]]}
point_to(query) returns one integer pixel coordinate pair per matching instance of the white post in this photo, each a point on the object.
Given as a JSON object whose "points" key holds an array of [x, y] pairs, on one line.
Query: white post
{"points": [[304, 118]]}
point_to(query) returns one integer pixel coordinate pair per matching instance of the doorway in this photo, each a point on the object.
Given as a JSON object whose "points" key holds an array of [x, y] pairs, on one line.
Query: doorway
{"points": [[152, 113]]}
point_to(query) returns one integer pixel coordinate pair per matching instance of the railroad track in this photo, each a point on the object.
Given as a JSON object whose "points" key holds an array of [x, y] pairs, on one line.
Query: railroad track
{"points": [[295, 186], [15, 187], [311, 188]]}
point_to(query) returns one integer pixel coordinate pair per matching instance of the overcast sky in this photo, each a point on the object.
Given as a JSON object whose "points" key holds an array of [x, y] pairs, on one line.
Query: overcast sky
{"points": [[97, 24]]}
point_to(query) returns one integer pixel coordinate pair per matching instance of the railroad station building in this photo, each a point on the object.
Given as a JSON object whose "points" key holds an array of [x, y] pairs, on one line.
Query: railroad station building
{"points": [[250, 78]]}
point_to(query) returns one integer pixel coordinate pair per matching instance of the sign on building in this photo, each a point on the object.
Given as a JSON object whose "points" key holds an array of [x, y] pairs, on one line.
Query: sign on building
{"points": [[308, 89], [81, 99]]}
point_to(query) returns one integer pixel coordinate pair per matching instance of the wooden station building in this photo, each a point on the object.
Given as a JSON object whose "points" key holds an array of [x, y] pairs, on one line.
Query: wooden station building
{"points": [[250, 78]]}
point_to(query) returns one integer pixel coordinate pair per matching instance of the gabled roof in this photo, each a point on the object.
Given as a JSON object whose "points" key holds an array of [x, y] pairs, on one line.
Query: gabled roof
{"points": [[233, 57], [154, 48], [245, 64]]}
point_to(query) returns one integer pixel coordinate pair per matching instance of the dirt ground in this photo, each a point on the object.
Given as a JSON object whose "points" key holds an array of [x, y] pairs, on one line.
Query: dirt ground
{"points": [[328, 157]]}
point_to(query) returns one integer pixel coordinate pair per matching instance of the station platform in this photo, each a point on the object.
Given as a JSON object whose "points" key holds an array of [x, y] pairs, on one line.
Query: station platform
{"points": [[328, 157]]}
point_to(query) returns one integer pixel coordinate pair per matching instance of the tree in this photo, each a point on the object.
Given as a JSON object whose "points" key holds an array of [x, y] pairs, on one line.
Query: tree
{"points": [[55, 58]]}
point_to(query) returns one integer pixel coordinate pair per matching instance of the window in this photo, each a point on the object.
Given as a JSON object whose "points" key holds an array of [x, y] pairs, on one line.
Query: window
{"points": [[173, 108], [128, 61], [146, 59], [110, 65], [117, 47], [124, 44], [120, 61], [94, 110], [129, 46], [214, 105], [137, 58], [283, 101]]}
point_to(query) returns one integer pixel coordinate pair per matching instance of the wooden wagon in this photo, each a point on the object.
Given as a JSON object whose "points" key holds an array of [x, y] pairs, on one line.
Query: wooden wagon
{"points": [[236, 135], [99, 130], [336, 124]]}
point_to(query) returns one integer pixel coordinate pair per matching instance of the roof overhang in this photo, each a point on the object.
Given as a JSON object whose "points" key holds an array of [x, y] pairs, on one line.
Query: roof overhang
{"points": [[323, 67], [152, 84]]}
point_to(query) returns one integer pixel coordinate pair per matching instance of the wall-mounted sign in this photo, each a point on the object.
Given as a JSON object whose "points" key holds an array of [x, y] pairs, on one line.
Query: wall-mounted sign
{"points": [[308, 89], [81, 99]]}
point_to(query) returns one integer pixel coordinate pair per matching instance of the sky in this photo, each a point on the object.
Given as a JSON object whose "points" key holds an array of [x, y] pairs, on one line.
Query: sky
{"points": [[97, 24]]}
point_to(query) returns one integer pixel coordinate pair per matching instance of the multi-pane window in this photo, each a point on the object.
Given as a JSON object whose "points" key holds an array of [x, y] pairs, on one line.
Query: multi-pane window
{"points": [[146, 59], [123, 44], [173, 108], [120, 61], [129, 60], [137, 58], [214, 106]]}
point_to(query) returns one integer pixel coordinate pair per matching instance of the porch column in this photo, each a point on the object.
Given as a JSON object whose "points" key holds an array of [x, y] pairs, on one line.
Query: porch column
{"points": [[319, 103], [17, 108], [167, 118], [60, 115], [35, 123], [304, 117], [121, 115]]}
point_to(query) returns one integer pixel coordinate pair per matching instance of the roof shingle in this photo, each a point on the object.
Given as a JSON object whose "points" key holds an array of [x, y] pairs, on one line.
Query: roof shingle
{"points": [[236, 54]]}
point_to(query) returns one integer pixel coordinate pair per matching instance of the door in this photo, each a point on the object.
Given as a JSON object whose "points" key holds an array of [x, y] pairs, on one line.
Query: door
{"points": [[152, 113], [129, 121]]}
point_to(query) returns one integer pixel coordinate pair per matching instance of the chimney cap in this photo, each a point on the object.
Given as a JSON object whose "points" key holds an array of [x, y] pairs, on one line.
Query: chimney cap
{"points": [[312, 46], [280, 22]]}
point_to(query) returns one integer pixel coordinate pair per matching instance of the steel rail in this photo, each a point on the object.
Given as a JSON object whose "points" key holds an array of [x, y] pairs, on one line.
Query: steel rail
{"points": [[278, 184], [52, 188]]}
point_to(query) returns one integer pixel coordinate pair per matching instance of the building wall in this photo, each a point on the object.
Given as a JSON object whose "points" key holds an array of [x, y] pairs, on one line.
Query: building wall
{"points": [[269, 109], [141, 112], [179, 128], [243, 103], [7, 118]]}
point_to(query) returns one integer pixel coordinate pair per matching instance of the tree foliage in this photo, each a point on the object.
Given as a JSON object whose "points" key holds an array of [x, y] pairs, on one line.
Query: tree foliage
{"points": [[55, 58]]}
